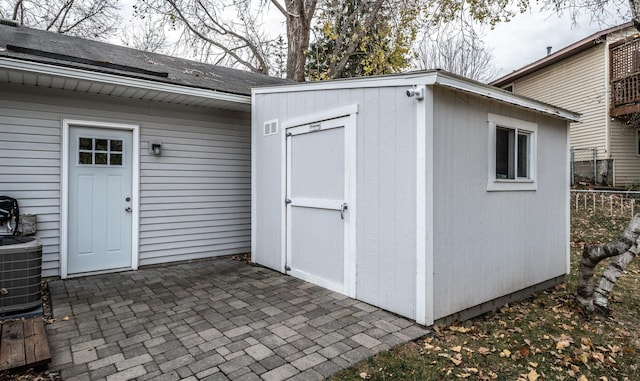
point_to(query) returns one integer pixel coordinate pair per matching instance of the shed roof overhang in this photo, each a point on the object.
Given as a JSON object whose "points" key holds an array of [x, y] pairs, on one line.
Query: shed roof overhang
{"points": [[39, 74], [434, 77]]}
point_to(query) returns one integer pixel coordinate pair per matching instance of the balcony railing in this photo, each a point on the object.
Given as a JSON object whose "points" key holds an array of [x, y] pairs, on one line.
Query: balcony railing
{"points": [[625, 77]]}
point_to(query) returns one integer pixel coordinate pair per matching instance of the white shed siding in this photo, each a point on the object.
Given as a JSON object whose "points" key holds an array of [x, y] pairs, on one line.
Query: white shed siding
{"points": [[194, 200], [385, 225], [491, 244], [624, 152], [578, 84]]}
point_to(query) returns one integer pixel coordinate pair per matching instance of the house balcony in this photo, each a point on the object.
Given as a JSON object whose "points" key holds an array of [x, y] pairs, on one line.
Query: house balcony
{"points": [[624, 75]]}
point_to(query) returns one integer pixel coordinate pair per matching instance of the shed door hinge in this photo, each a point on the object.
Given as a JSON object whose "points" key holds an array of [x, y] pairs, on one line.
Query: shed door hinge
{"points": [[287, 134], [287, 201], [287, 268]]}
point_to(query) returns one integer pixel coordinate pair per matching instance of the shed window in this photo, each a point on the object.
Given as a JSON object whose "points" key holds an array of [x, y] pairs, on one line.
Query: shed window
{"points": [[98, 151], [512, 154]]}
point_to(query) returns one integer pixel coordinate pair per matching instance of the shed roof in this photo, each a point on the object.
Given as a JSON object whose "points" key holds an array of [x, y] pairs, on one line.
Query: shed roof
{"points": [[562, 54], [434, 77], [63, 56]]}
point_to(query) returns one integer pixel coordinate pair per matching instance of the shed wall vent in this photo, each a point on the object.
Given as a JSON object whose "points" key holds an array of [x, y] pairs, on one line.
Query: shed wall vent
{"points": [[271, 127]]}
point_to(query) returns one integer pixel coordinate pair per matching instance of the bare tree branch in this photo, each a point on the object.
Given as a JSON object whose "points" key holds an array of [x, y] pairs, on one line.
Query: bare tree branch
{"points": [[97, 19]]}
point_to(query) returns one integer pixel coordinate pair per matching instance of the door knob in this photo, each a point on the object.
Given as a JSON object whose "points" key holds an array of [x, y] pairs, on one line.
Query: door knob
{"points": [[127, 209]]}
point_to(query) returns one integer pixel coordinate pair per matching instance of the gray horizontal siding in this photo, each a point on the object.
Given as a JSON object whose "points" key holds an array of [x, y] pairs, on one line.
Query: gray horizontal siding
{"points": [[30, 172], [194, 198]]}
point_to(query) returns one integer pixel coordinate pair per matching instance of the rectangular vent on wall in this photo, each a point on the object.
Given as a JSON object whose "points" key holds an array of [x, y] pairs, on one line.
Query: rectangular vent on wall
{"points": [[271, 127]]}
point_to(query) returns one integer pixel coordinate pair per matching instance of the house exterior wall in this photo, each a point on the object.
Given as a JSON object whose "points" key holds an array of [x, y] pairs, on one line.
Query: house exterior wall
{"points": [[624, 152], [488, 244], [194, 199], [579, 84], [385, 186]]}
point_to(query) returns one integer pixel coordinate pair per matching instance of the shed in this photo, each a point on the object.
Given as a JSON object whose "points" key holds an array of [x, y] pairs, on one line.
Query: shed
{"points": [[128, 158], [426, 194]]}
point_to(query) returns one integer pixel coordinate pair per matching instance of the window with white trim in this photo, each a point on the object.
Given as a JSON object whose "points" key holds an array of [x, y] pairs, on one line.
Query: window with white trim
{"points": [[512, 154]]}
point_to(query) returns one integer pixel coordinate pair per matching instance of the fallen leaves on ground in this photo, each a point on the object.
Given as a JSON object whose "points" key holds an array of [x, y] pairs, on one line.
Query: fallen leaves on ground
{"points": [[544, 337]]}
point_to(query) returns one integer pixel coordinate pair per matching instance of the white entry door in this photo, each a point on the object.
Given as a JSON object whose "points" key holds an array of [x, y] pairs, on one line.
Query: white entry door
{"points": [[319, 205], [99, 200]]}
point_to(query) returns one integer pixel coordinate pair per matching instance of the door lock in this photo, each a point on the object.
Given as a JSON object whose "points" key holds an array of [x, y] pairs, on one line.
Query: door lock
{"points": [[127, 209], [342, 209]]}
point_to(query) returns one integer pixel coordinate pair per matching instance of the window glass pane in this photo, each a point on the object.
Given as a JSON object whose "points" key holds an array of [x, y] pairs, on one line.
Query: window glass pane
{"points": [[116, 145], [85, 158], [101, 158], [504, 153], [115, 159], [523, 155], [85, 144], [101, 144]]}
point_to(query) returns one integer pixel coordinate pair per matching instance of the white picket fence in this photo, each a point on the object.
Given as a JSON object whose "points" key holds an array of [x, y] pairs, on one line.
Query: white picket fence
{"points": [[611, 203]]}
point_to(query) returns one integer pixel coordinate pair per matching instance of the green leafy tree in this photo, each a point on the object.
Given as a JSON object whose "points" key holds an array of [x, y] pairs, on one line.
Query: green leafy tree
{"points": [[382, 46]]}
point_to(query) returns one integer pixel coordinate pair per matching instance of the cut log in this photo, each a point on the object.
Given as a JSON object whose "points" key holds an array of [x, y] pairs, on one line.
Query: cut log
{"points": [[591, 256], [610, 277]]}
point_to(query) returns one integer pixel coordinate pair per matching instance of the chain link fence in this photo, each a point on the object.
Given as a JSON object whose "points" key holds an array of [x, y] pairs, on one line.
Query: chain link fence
{"points": [[584, 165]]}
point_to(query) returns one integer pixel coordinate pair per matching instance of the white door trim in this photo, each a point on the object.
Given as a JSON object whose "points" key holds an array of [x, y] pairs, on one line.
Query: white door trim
{"points": [[329, 118], [64, 187]]}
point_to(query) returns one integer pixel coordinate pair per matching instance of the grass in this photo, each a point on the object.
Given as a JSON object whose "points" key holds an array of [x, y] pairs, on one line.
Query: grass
{"points": [[544, 337]]}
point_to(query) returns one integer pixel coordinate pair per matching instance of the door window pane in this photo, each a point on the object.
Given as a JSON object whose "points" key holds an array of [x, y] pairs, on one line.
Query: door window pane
{"points": [[115, 159], [85, 144], [85, 158], [101, 158], [115, 145], [101, 144]]}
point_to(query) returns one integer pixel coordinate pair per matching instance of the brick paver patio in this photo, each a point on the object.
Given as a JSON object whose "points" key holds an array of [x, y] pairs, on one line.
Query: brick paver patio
{"points": [[217, 319]]}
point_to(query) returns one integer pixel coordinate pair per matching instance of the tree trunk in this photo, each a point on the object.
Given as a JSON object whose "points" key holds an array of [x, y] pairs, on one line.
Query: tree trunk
{"points": [[591, 256], [299, 14]]}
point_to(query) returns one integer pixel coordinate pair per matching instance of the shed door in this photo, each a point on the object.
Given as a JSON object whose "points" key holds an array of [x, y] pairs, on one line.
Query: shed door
{"points": [[100, 192], [318, 206]]}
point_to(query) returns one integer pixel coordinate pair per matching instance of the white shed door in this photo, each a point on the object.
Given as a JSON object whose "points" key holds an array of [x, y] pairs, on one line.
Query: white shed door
{"points": [[100, 190], [318, 215]]}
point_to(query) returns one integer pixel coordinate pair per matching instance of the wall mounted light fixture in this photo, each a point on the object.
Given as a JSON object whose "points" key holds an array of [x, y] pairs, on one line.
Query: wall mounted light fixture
{"points": [[155, 148]]}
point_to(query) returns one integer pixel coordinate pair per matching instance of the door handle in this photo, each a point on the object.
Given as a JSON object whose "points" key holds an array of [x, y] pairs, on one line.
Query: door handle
{"points": [[342, 209], [127, 209]]}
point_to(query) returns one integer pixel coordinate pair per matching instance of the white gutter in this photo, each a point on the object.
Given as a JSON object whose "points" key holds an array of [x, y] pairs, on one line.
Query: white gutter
{"points": [[111, 79], [429, 78]]}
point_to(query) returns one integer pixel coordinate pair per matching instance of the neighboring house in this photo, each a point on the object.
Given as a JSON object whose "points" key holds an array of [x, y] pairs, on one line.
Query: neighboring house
{"points": [[426, 194], [598, 77], [127, 158]]}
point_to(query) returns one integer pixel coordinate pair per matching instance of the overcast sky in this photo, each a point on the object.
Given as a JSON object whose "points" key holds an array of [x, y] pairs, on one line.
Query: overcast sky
{"points": [[514, 44], [524, 39]]}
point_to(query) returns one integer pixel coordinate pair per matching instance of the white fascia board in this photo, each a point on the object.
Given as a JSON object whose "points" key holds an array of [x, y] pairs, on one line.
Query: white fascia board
{"points": [[502, 95], [67, 72], [354, 83], [428, 78]]}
